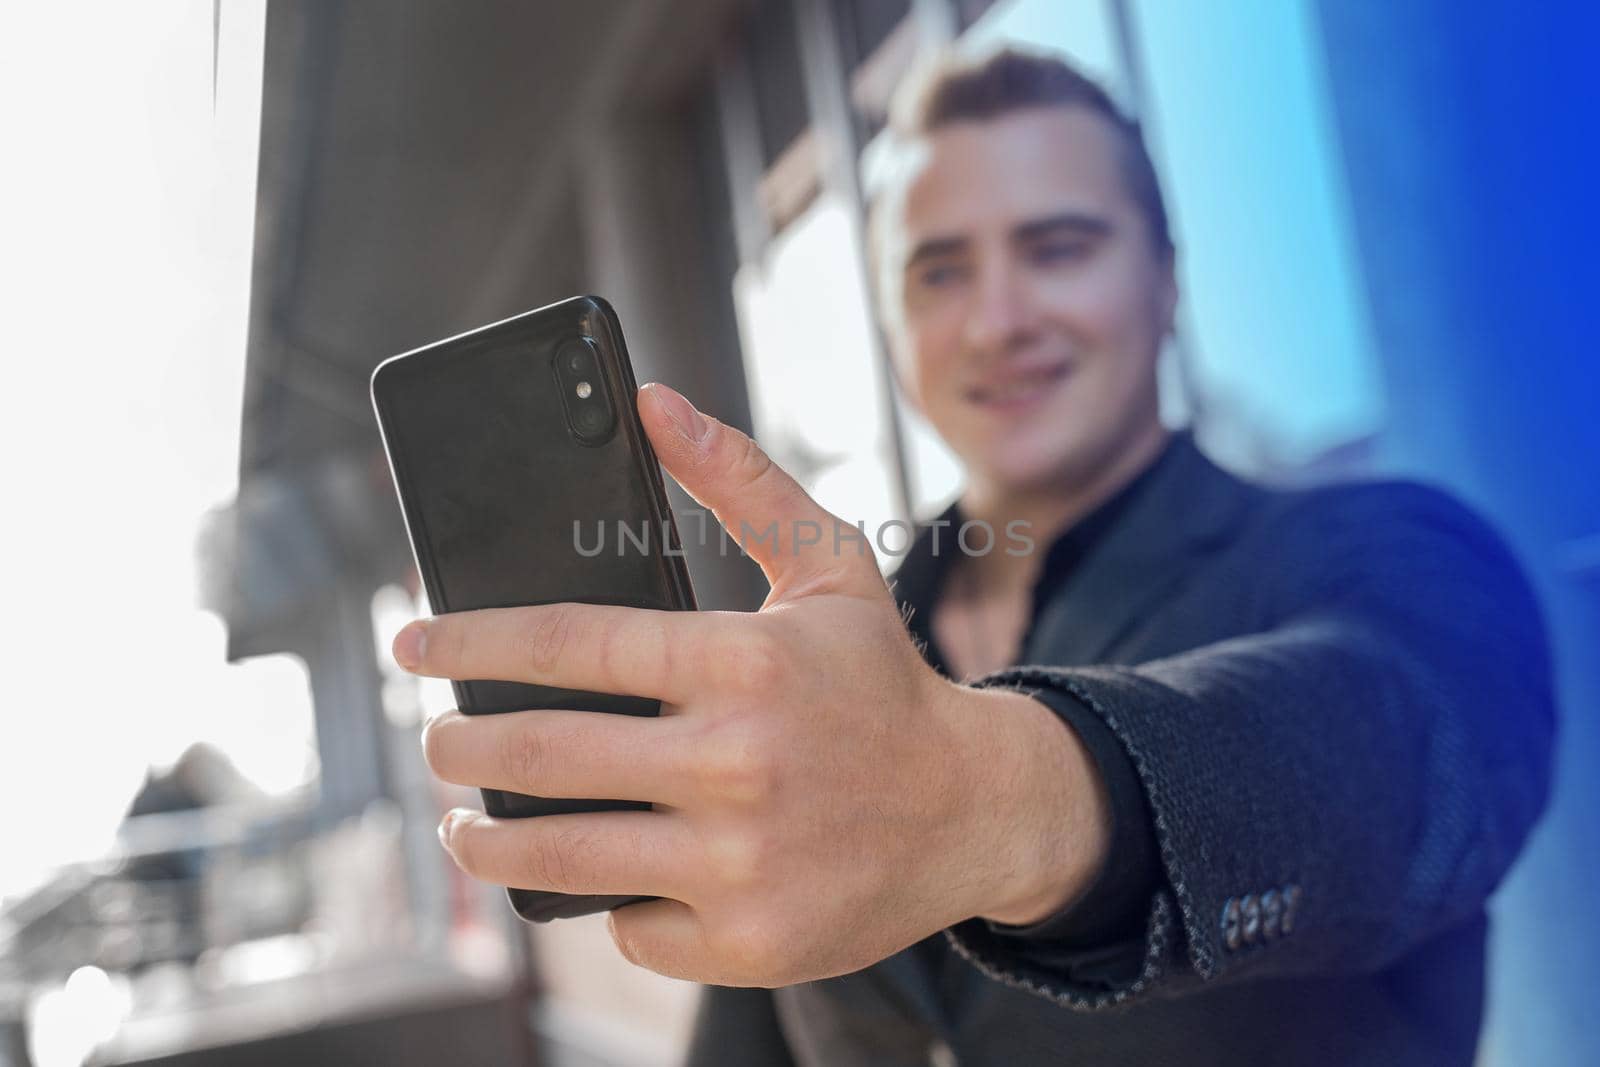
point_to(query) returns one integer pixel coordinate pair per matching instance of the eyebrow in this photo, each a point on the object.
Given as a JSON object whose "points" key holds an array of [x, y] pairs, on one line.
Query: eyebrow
{"points": [[1071, 221], [1074, 222], [934, 248]]}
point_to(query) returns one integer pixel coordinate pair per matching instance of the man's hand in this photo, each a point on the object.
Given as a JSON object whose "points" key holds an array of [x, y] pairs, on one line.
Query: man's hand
{"points": [[822, 798]]}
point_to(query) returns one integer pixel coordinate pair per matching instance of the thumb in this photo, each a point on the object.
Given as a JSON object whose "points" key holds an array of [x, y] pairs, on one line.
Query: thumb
{"points": [[799, 545]]}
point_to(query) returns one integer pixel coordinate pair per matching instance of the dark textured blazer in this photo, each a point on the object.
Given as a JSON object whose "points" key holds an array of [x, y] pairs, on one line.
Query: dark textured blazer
{"points": [[1338, 705]]}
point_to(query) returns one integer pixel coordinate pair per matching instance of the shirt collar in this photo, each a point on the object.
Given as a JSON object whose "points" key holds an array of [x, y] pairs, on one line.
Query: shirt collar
{"points": [[921, 574]]}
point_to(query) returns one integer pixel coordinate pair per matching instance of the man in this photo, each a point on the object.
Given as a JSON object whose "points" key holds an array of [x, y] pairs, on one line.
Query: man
{"points": [[1265, 759]]}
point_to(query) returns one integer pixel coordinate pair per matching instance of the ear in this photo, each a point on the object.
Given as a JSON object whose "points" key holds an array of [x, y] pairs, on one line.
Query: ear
{"points": [[1167, 291]]}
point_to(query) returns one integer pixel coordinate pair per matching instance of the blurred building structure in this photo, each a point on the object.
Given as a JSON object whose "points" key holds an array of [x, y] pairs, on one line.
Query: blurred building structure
{"points": [[1378, 278]]}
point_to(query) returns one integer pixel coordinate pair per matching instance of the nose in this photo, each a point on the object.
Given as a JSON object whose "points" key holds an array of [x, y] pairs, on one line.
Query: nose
{"points": [[1001, 314]]}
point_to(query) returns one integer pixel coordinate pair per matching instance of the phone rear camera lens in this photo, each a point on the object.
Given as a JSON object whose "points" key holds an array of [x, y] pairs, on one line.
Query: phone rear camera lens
{"points": [[577, 359], [590, 416]]}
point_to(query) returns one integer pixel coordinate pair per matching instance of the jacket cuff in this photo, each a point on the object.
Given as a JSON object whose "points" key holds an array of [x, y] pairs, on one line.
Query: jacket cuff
{"points": [[1079, 979], [1110, 943]]}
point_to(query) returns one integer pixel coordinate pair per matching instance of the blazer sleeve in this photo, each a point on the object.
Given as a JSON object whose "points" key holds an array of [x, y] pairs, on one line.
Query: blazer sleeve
{"points": [[1337, 788], [737, 1026]]}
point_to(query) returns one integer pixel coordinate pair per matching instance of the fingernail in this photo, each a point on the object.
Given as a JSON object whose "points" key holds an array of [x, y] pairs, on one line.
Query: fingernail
{"points": [[447, 824], [409, 645], [685, 419]]}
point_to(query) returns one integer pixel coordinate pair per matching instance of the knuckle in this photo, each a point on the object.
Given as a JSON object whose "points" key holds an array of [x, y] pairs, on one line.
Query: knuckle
{"points": [[548, 637], [739, 859], [556, 862], [741, 766], [754, 661], [750, 463], [524, 755]]}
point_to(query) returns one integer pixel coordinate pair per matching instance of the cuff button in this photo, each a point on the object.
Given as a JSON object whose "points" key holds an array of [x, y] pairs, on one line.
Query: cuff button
{"points": [[1271, 913], [1291, 907], [1231, 935], [1250, 913]]}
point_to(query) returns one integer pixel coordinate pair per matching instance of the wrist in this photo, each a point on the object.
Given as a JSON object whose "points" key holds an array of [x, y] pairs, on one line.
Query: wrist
{"points": [[1042, 826]]}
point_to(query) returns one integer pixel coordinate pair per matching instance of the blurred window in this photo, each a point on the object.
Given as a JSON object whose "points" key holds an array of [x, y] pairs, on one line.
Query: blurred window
{"points": [[780, 96], [970, 11], [877, 40], [1282, 356], [1084, 33], [865, 24], [807, 336]]}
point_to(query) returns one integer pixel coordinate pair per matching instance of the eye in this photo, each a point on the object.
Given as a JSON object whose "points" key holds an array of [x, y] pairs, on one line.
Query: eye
{"points": [[1050, 253], [941, 274]]}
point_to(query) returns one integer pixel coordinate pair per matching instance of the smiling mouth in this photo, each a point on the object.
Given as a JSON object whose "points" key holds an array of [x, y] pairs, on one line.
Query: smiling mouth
{"points": [[1019, 389]]}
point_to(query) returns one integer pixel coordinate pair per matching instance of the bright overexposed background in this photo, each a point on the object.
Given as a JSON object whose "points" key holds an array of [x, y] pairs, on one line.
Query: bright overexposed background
{"points": [[127, 221]]}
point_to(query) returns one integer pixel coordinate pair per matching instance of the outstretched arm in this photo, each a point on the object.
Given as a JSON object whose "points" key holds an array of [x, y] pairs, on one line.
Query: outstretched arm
{"points": [[1334, 790]]}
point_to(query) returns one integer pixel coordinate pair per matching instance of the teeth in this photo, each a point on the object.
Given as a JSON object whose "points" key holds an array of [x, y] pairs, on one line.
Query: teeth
{"points": [[1022, 387], [1018, 388]]}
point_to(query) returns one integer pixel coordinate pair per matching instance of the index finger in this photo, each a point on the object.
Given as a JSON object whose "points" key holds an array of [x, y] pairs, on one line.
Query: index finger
{"points": [[595, 647]]}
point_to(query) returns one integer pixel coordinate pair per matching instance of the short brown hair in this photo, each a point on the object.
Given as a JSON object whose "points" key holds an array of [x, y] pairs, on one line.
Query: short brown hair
{"points": [[988, 86]]}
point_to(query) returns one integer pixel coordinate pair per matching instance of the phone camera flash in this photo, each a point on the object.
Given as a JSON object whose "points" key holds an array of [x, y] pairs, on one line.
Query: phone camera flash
{"points": [[583, 390]]}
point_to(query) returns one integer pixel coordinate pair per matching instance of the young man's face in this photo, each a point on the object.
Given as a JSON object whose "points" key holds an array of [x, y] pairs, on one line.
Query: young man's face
{"points": [[1024, 299]]}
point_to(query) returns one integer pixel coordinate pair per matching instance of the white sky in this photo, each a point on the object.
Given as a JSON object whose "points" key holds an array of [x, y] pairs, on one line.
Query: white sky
{"points": [[126, 217]]}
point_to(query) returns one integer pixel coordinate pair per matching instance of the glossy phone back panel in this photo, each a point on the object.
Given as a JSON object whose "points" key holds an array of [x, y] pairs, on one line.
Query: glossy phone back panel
{"points": [[506, 506]]}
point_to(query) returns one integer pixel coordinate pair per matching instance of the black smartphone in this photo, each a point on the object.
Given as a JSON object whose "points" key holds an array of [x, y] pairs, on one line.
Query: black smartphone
{"points": [[515, 449]]}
